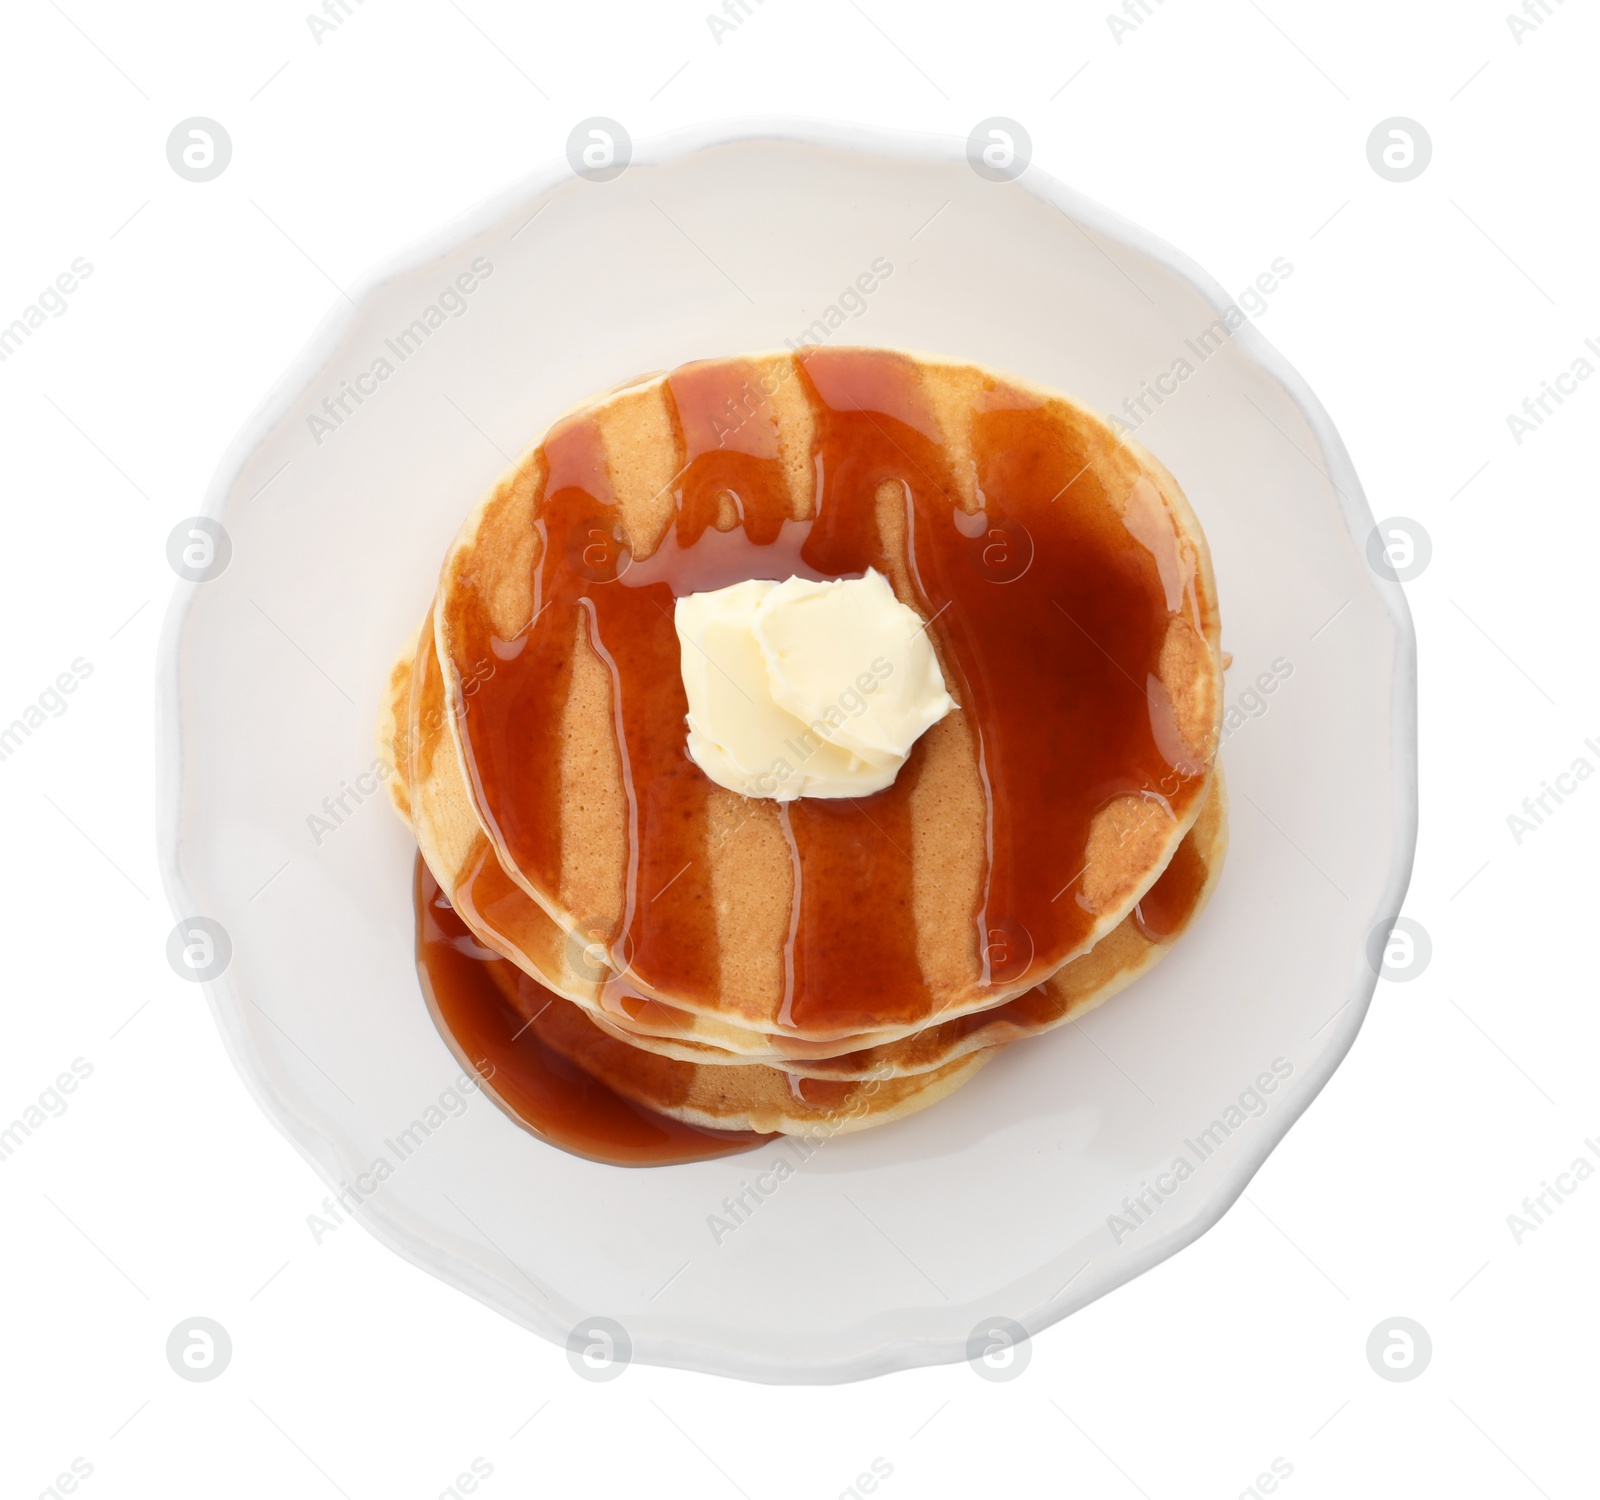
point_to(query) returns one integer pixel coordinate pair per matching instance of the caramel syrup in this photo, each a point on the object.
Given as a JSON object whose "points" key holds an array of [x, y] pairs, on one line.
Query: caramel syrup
{"points": [[1171, 904], [555, 1099], [1049, 620]]}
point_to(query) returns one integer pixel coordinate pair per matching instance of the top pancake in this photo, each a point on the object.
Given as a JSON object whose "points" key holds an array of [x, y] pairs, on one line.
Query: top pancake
{"points": [[1069, 597]]}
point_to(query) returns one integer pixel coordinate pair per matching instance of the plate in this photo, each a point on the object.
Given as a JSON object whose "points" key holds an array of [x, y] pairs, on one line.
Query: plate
{"points": [[1073, 1162]]}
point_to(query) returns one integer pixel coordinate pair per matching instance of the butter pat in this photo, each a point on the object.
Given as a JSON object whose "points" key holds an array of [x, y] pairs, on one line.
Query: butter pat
{"points": [[802, 689]]}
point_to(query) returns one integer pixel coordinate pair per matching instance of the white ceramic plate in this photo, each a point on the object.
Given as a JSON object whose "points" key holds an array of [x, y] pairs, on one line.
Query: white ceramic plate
{"points": [[1017, 1197]]}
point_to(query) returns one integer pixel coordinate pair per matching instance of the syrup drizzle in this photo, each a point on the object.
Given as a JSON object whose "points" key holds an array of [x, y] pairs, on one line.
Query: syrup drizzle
{"points": [[554, 1098], [1048, 619]]}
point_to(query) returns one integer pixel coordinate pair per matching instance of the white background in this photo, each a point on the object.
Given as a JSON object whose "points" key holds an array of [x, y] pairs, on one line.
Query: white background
{"points": [[1422, 313]]}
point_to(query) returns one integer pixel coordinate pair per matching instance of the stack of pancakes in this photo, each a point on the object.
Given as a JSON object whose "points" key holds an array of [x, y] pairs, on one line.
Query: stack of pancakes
{"points": [[743, 964]]}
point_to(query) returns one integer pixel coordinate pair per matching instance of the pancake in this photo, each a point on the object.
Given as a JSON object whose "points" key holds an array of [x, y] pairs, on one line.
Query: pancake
{"points": [[748, 1096], [1043, 809]]}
